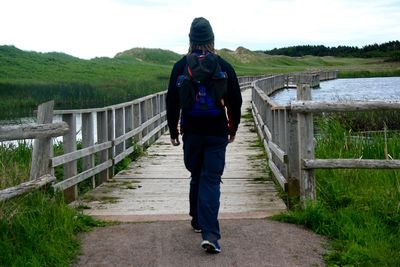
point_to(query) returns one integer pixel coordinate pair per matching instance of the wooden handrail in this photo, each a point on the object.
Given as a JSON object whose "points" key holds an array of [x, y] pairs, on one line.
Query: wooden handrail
{"points": [[32, 131], [118, 126], [288, 137], [26, 187]]}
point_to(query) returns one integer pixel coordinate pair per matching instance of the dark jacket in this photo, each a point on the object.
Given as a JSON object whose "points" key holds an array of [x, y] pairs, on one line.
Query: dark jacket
{"points": [[217, 126]]}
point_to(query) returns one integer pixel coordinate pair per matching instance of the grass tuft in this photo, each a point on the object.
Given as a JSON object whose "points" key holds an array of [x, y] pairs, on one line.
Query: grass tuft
{"points": [[40, 230]]}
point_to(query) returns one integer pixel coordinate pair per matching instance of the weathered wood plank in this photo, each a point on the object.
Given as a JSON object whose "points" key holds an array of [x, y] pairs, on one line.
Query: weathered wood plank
{"points": [[77, 154], [329, 106], [69, 146], [278, 152], [293, 163], [108, 108], [42, 146], [350, 164], [123, 154], [119, 130], [26, 187], [88, 141], [32, 131], [278, 175], [306, 145], [102, 137], [135, 131], [82, 176], [152, 133]]}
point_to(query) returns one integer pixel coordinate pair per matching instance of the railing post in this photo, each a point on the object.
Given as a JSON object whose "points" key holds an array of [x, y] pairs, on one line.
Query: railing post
{"points": [[306, 146], [128, 124], [42, 148], [102, 137], [137, 120], [88, 141], [293, 160], [119, 129], [69, 145], [111, 137], [143, 118]]}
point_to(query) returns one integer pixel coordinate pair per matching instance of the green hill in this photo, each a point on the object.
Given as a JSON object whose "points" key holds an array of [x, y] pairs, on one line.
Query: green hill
{"points": [[29, 78], [249, 62], [154, 55]]}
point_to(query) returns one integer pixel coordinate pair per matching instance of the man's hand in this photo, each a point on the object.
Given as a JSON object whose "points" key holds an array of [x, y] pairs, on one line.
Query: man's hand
{"points": [[231, 138], [175, 142]]}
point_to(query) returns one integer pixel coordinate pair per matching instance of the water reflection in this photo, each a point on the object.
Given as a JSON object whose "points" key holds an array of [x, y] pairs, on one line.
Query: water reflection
{"points": [[348, 89]]}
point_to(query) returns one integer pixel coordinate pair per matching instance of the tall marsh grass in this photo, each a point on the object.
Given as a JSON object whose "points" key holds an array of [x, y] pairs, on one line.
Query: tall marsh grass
{"points": [[359, 210]]}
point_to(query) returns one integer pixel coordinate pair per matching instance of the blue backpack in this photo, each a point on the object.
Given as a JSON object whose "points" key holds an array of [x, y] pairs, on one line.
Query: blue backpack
{"points": [[202, 86]]}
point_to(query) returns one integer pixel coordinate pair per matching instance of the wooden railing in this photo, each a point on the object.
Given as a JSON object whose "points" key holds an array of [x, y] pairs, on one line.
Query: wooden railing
{"points": [[287, 131], [111, 133], [108, 135], [42, 132]]}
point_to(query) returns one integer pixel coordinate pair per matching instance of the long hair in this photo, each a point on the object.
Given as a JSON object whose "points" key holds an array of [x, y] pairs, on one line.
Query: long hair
{"points": [[206, 47]]}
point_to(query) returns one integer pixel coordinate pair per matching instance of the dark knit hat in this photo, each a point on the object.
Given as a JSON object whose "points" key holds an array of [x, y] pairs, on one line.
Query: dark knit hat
{"points": [[201, 32]]}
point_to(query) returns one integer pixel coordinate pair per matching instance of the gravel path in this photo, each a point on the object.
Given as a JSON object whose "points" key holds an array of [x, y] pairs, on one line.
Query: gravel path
{"points": [[245, 242]]}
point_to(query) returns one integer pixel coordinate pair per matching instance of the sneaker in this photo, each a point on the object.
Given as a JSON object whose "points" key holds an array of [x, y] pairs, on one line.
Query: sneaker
{"points": [[196, 230], [211, 247], [196, 227]]}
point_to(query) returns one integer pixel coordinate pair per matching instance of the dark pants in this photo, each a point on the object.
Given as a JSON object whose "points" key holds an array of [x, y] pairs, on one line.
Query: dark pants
{"points": [[204, 157]]}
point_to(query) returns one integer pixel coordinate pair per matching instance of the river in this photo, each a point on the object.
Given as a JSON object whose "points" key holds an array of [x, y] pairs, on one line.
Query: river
{"points": [[387, 88]]}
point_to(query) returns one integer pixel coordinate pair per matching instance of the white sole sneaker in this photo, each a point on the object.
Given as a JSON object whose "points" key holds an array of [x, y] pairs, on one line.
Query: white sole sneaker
{"points": [[210, 247]]}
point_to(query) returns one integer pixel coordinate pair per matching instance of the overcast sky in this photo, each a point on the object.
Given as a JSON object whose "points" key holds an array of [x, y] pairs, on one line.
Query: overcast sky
{"points": [[96, 28]]}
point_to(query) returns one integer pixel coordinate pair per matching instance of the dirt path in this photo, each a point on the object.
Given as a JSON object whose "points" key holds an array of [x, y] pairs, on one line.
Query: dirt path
{"points": [[245, 242]]}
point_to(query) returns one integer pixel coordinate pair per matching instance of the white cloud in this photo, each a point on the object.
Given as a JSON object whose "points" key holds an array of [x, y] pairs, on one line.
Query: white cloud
{"points": [[92, 28]]}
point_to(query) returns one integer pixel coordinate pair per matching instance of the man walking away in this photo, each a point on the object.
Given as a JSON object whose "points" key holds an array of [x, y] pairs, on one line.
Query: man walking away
{"points": [[204, 96]]}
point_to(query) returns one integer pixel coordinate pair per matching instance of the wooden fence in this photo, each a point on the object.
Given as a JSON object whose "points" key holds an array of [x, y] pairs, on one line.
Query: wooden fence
{"points": [[108, 134], [42, 132], [287, 131]]}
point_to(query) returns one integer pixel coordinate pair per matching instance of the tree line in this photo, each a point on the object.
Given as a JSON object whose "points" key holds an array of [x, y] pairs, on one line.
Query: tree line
{"points": [[389, 50]]}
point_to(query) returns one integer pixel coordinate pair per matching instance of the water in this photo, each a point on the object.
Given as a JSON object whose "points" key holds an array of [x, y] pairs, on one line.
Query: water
{"points": [[348, 89], [56, 118]]}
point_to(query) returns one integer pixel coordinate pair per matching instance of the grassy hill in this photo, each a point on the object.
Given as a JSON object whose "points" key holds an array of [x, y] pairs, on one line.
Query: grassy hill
{"points": [[29, 78], [249, 62], [77, 83]]}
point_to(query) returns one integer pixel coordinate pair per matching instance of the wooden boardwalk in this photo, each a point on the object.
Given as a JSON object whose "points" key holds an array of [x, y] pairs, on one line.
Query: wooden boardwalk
{"points": [[156, 186]]}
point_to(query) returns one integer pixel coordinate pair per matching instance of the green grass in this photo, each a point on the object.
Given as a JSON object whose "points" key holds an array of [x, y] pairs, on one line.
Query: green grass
{"points": [[77, 83], [14, 163], [39, 229], [257, 63], [359, 210]]}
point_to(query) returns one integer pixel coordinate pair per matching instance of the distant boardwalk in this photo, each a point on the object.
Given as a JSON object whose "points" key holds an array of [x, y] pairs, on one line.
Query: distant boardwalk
{"points": [[156, 187]]}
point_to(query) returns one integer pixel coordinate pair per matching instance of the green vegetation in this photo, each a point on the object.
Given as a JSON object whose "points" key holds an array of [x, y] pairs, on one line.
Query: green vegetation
{"points": [[39, 229], [30, 78], [247, 62], [357, 209], [15, 162], [389, 50]]}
